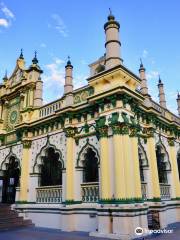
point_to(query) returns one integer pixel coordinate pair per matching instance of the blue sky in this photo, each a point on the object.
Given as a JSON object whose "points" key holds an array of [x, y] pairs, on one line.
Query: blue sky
{"points": [[149, 30]]}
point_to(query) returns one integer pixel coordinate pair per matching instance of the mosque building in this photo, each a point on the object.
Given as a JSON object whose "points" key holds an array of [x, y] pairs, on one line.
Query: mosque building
{"points": [[104, 158]]}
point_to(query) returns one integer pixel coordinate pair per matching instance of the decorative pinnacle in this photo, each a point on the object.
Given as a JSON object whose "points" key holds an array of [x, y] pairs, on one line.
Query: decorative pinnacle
{"points": [[111, 16], [69, 62], [35, 61], [141, 63], [21, 54], [5, 76], [178, 95], [160, 80]]}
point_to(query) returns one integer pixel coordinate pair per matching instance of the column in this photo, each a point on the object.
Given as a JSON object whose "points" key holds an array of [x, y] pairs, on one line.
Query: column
{"points": [[128, 164], [69, 164], [136, 169], [24, 181], [1, 110], [104, 164], [119, 164], [154, 179], [175, 188]]}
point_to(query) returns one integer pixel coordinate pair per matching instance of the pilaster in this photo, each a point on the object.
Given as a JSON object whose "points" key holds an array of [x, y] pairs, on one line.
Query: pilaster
{"points": [[120, 191], [154, 187], [104, 163], [70, 131], [175, 193], [24, 181]]}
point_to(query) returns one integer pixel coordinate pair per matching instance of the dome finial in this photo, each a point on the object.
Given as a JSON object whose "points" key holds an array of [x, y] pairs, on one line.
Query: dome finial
{"points": [[178, 95], [111, 16], [5, 76], [35, 61], [141, 63], [160, 79], [21, 54], [68, 62]]}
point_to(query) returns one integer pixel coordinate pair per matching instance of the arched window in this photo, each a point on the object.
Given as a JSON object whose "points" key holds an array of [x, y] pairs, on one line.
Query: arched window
{"points": [[90, 167], [51, 168], [178, 163], [161, 164]]}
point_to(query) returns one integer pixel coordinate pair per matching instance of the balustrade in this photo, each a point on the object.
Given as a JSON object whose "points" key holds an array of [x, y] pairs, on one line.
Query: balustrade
{"points": [[165, 191], [49, 109], [49, 194], [90, 192]]}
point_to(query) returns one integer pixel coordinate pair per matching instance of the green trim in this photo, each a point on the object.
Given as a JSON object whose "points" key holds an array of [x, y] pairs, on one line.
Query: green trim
{"points": [[71, 202], [121, 201], [153, 199], [24, 202]]}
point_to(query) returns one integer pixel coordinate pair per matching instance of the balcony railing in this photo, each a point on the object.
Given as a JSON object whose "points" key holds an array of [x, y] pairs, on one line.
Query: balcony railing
{"points": [[49, 194], [50, 109], [165, 191], [90, 192], [144, 190]]}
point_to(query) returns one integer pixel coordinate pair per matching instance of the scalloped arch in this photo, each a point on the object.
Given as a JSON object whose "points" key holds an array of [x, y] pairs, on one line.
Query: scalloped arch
{"points": [[39, 157], [166, 158], [6, 161], [83, 151], [143, 153]]}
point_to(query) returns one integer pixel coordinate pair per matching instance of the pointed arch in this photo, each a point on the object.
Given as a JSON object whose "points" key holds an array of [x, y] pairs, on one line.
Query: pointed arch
{"points": [[39, 159], [5, 163], [143, 160], [83, 152], [163, 162]]}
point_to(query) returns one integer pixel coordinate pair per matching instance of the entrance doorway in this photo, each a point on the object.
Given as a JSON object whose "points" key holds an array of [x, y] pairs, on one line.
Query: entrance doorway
{"points": [[9, 180]]}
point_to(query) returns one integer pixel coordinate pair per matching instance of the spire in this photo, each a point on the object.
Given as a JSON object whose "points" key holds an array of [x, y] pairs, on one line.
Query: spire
{"points": [[162, 99], [178, 103], [160, 82], [21, 54], [111, 16], [112, 45], [142, 73], [5, 78], [68, 62], [35, 61], [141, 63]]}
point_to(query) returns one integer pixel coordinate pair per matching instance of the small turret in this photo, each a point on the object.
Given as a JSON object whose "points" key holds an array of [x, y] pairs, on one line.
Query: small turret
{"points": [[142, 73], [162, 99], [113, 55], [68, 87], [178, 103]]}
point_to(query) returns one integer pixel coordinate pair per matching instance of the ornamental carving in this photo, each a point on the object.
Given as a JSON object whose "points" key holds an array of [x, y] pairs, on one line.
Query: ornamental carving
{"points": [[70, 131], [27, 143]]}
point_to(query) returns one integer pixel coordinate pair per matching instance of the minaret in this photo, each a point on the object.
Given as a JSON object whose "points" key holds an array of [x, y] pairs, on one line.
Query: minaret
{"points": [[113, 45], [178, 103], [36, 94], [162, 99], [68, 86], [142, 73]]}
